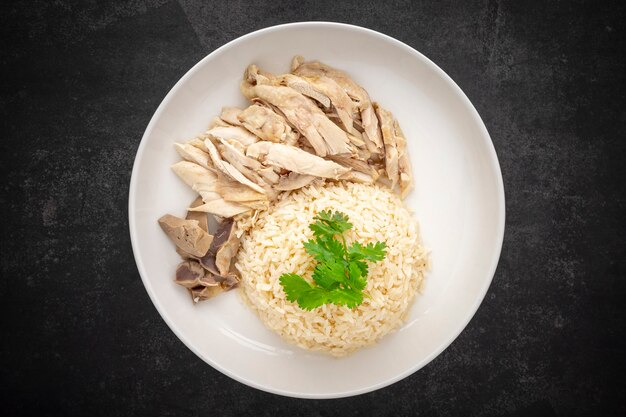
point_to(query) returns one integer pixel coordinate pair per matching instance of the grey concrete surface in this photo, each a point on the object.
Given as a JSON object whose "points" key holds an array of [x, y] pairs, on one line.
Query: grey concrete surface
{"points": [[80, 81]]}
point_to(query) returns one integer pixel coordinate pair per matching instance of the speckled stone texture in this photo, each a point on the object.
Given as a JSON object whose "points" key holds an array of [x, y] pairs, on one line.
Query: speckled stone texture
{"points": [[80, 81]]}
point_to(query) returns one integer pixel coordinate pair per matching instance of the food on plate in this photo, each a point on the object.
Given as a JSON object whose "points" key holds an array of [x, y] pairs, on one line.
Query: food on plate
{"points": [[267, 252], [300, 204], [186, 234], [316, 70], [341, 271]]}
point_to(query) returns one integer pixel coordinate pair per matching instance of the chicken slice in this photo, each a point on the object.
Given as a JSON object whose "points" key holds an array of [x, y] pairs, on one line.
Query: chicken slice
{"points": [[230, 114], [204, 182], [247, 166], [233, 155], [382, 178], [295, 160], [222, 208], [371, 129], [294, 181], [194, 154], [356, 138], [326, 137], [237, 133], [364, 154], [267, 125], [295, 135], [404, 165], [228, 169], [217, 122], [356, 176], [358, 125], [356, 92], [357, 165], [391, 149], [236, 192], [296, 61], [269, 175], [200, 179], [303, 87], [256, 75], [342, 103], [198, 142]]}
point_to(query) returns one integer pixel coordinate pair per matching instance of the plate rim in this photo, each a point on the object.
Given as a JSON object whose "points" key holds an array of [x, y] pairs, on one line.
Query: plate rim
{"points": [[493, 158]]}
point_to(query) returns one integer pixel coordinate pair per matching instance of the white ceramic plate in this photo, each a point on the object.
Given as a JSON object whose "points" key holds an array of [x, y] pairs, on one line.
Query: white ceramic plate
{"points": [[458, 200]]}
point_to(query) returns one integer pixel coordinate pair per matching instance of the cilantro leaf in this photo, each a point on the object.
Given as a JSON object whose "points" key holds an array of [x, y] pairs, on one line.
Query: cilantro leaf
{"points": [[330, 274], [330, 224], [313, 298], [348, 298], [372, 251], [340, 275], [298, 289], [362, 267], [357, 279], [294, 285], [324, 249]]}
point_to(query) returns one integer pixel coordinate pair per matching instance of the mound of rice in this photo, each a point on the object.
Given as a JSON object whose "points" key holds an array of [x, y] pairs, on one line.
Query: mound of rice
{"points": [[275, 246]]}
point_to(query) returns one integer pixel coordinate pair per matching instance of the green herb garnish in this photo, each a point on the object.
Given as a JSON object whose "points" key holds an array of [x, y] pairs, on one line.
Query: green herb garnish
{"points": [[341, 271]]}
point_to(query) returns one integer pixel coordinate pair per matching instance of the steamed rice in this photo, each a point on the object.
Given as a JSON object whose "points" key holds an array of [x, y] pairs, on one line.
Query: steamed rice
{"points": [[275, 246]]}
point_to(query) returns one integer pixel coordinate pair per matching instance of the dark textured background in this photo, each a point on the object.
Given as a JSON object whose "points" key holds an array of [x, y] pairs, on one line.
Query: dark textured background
{"points": [[80, 82]]}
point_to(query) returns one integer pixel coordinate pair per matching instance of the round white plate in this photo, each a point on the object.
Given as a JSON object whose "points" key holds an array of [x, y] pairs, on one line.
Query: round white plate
{"points": [[458, 200]]}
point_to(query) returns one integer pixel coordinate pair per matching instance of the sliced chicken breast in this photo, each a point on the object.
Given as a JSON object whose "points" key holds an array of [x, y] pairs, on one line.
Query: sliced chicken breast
{"points": [[228, 169], [355, 91], [326, 137], [295, 160], [344, 106], [204, 182], [267, 125], [404, 165], [389, 138], [294, 181], [303, 87], [236, 133], [194, 154], [230, 115]]}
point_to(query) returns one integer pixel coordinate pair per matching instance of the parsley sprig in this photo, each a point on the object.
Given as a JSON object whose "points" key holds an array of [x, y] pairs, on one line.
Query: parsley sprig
{"points": [[341, 271]]}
